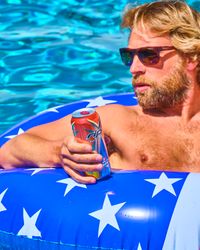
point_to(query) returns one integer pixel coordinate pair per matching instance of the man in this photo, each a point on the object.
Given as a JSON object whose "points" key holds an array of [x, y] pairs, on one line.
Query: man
{"points": [[162, 132]]}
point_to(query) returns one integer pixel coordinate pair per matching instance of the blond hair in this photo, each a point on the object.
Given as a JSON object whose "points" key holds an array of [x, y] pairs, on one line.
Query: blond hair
{"points": [[175, 18]]}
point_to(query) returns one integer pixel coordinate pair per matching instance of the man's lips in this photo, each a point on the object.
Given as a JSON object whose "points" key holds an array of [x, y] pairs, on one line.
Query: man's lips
{"points": [[141, 87]]}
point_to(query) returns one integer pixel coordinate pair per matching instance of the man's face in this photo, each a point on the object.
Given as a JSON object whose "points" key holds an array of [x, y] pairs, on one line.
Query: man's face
{"points": [[163, 84], [164, 93]]}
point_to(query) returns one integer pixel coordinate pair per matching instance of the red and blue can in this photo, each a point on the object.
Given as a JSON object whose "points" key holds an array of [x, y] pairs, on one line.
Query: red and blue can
{"points": [[86, 125]]}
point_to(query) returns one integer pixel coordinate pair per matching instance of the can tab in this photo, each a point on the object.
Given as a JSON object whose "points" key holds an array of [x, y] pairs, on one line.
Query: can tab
{"points": [[84, 112]]}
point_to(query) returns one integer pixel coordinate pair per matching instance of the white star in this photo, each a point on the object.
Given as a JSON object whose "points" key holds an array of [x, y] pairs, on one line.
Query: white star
{"points": [[20, 131], [29, 228], [2, 208], [37, 170], [163, 183], [106, 215], [71, 184], [98, 101], [134, 97], [49, 110]]}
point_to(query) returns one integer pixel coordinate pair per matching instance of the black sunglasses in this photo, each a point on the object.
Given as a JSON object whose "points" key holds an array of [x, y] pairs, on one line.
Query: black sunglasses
{"points": [[147, 55]]}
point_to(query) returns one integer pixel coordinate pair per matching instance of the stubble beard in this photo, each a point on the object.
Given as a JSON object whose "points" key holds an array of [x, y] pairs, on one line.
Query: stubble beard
{"points": [[172, 90]]}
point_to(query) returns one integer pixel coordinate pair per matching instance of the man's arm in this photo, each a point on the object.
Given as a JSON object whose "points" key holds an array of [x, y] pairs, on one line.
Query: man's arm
{"points": [[40, 146], [51, 145], [30, 150]]}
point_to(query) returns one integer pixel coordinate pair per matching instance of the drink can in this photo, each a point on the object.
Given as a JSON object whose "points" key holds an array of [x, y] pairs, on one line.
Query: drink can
{"points": [[86, 125]]}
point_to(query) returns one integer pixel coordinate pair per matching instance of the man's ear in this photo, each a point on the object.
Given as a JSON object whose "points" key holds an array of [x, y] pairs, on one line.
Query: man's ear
{"points": [[191, 64]]}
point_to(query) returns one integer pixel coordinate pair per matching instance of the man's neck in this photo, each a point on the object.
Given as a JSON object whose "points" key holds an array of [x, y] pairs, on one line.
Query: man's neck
{"points": [[191, 106], [187, 110]]}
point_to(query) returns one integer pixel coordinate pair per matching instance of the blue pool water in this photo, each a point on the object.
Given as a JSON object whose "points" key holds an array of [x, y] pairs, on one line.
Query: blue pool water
{"points": [[58, 51]]}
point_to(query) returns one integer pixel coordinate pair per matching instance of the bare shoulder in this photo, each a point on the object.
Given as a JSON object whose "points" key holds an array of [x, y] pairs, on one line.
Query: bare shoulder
{"points": [[116, 110], [55, 130], [115, 113]]}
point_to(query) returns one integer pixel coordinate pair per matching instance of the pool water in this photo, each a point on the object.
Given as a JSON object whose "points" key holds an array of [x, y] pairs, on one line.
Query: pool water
{"points": [[59, 51]]}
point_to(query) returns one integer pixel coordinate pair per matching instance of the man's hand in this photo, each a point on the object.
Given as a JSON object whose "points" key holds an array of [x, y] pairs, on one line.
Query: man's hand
{"points": [[77, 157]]}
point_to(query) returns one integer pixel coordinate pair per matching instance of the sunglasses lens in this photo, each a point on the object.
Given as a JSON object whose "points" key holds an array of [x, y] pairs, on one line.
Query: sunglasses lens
{"points": [[148, 56], [127, 56]]}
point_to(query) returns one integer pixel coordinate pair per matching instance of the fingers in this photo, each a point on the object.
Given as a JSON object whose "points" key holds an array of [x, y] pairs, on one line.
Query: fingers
{"points": [[75, 153], [82, 167], [78, 177], [78, 157], [79, 152], [77, 145]]}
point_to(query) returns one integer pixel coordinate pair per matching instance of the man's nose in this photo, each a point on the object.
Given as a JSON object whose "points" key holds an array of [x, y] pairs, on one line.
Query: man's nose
{"points": [[137, 67]]}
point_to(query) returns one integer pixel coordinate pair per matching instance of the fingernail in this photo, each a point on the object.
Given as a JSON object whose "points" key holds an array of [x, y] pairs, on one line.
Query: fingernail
{"points": [[99, 166], [99, 158], [93, 181]]}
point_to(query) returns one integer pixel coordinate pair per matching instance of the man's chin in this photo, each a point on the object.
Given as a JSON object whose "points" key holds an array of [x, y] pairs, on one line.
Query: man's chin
{"points": [[143, 101], [148, 104]]}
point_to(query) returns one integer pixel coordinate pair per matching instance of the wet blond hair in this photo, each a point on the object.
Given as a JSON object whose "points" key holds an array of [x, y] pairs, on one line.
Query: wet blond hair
{"points": [[174, 18]]}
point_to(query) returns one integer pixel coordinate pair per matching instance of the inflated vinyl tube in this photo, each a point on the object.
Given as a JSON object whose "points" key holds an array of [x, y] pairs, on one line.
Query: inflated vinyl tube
{"points": [[43, 208]]}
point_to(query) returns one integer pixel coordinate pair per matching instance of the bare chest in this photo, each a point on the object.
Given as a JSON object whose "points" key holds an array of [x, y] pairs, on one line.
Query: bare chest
{"points": [[155, 144]]}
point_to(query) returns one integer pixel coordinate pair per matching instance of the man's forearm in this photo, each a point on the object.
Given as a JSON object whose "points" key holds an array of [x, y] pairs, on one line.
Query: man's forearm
{"points": [[30, 150]]}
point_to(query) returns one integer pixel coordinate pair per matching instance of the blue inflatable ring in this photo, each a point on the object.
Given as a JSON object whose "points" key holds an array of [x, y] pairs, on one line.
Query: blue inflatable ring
{"points": [[44, 208]]}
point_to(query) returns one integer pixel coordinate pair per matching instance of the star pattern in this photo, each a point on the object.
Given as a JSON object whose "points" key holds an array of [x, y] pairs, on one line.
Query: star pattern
{"points": [[49, 110], [106, 215], [105, 218], [71, 184], [37, 170], [99, 101], [2, 207], [20, 131], [29, 228], [163, 183], [134, 97], [139, 247]]}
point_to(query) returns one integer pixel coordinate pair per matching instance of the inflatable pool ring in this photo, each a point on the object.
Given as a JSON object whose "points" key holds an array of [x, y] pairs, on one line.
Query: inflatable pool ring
{"points": [[43, 208]]}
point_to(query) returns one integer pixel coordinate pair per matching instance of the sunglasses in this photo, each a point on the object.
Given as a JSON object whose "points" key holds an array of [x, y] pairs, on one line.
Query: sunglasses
{"points": [[147, 55]]}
